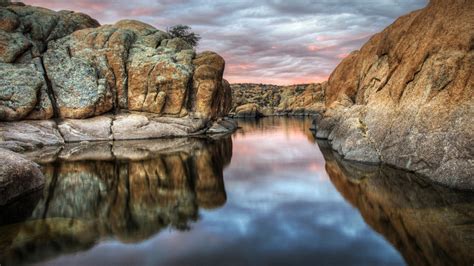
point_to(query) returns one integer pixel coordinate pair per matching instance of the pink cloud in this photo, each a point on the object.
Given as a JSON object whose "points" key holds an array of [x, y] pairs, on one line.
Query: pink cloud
{"points": [[257, 49]]}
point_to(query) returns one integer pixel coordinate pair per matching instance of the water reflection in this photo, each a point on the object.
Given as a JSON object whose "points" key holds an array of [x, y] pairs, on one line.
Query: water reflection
{"points": [[428, 224], [124, 190], [268, 126], [285, 202]]}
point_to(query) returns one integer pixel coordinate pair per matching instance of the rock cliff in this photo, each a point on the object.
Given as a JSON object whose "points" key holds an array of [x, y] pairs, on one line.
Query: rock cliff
{"points": [[406, 98], [253, 100], [135, 78]]}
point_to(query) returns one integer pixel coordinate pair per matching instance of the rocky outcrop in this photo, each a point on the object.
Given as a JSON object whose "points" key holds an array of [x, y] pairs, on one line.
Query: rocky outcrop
{"points": [[146, 127], [24, 136], [212, 94], [25, 31], [127, 190], [406, 98], [252, 110], [253, 100], [129, 65], [428, 224], [222, 127], [64, 65], [17, 176], [23, 93], [85, 82]]}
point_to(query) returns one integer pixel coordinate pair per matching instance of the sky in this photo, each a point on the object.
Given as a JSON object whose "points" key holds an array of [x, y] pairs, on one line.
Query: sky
{"points": [[263, 41]]}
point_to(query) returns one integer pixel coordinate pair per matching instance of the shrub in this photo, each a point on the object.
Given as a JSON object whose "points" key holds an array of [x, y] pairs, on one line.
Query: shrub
{"points": [[184, 32]]}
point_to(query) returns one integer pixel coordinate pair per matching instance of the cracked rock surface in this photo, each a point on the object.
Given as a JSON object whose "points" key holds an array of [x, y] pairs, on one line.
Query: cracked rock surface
{"points": [[65, 65], [122, 81], [406, 98], [65, 78]]}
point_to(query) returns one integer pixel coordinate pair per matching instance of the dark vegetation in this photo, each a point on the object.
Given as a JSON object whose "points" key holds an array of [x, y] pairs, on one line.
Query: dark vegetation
{"points": [[184, 32]]}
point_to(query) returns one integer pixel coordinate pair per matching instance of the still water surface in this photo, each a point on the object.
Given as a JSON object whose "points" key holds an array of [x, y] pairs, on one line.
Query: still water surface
{"points": [[262, 196]]}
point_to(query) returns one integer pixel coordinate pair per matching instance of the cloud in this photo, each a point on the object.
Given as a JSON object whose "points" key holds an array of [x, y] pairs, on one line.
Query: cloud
{"points": [[269, 41]]}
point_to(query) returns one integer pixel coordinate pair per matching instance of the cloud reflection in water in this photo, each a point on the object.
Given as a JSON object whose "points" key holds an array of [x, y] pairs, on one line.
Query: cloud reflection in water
{"points": [[281, 209]]}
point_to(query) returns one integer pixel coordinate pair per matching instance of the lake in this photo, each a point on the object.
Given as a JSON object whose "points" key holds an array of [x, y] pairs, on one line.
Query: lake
{"points": [[269, 194]]}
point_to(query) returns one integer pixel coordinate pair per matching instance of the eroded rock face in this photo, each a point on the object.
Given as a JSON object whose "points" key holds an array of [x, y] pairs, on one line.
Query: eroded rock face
{"points": [[78, 69], [303, 99], [113, 82], [212, 93], [29, 135], [17, 176], [129, 65], [406, 97], [18, 94], [140, 126], [26, 30], [39, 136], [96, 128]]}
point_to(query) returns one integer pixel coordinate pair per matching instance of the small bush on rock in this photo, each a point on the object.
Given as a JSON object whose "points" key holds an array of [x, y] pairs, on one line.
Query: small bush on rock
{"points": [[184, 32]]}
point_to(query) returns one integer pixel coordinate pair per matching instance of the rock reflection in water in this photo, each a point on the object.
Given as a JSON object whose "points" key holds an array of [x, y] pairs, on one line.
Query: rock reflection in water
{"points": [[291, 127], [428, 224], [123, 190]]}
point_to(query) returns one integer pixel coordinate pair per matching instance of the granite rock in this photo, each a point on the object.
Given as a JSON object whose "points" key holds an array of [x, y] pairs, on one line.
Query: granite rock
{"points": [[297, 100], [411, 90]]}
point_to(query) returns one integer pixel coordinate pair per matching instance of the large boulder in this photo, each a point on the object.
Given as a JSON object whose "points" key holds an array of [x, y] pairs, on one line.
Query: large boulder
{"points": [[19, 95], [79, 91], [211, 91], [89, 82], [26, 30], [408, 95], [86, 70], [249, 110], [160, 70], [24, 98], [129, 65], [17, 176]]}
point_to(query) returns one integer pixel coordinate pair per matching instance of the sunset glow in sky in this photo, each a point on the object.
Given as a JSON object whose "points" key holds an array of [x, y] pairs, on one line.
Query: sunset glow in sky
{"points": [[268, 41]]}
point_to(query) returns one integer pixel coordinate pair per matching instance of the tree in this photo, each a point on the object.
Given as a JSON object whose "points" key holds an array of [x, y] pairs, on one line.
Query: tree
{"points": [[184, 32]]}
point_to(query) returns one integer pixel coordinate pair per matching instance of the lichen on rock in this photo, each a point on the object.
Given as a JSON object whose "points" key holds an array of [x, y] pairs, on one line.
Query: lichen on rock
{"points": [[87, 82], [65, 65]]}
